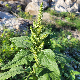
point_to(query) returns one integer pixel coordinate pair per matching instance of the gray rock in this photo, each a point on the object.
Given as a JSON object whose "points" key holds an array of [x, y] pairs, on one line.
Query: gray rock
{"points": [[52, 5], [25, 2], [78, 1], [74, 8], [61, 6], [33, 7], [67, 6], [12, 4], [1, 2], [54, 0], [6, 15], [11, 22]]}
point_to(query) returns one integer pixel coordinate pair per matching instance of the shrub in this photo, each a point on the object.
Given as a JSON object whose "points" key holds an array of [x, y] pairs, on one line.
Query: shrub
{"points": [[59, 44], [24, 15], [37, 62], [7, 49], [71, 16], [63, 14]]}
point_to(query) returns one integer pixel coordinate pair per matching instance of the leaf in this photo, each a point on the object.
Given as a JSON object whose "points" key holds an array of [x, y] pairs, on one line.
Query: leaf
{"points": [[20, 58], [18, 63], [43, 73], [20, 55], [44, 34], [12, 72], [22, 41], [44, 77], [61, 58], [47, 59], [76, 72], [72, 77]]}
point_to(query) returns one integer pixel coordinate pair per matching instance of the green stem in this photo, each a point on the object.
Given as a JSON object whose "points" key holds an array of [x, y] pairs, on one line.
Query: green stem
{"points": [[36, 59]]}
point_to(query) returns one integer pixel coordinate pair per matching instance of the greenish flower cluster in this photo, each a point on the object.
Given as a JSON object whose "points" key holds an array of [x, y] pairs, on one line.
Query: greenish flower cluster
{"points": [[37, 34]]}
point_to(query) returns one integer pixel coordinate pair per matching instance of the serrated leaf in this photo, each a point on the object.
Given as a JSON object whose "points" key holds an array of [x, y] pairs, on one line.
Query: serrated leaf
{"points": [[20, 58], [44, 35], [18, 63], [12, 72], [46, 58], [20, 55], [22, 41], [42, 73], [44, 77]]}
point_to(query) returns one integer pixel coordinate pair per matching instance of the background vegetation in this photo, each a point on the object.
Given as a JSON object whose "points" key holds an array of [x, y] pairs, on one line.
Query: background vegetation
{"points": [[62, 44]]}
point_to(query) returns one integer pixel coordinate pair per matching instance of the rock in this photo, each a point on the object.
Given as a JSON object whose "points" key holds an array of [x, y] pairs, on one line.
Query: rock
{"points": [[66, 6], [48, 1], [61, 6], [1, 2], [70, 2], [17, 23], [11, 22], [25, 2], [33, 7], [74, 8], [46, 16], [13, 5], [6, 15], [2, 7], [54, 0], [73, 5], [52, 5], [10, 0], [78, 1]]}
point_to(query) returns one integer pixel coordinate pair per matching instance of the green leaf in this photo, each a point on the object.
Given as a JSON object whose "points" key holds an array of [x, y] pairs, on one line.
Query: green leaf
{"points": [[76, 72], [47, 59], [72, 77], [43, 73], [12, 72], [44, 35], [20, 58], [18, 63], [44, 77], [20, 55], [22, 41]]}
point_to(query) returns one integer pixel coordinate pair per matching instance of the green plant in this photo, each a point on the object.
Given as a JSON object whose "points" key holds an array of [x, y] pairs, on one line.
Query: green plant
{"points": [[61, 23], [77, 22], [36, 62], [53, 12], [18, 6], [7, 49], [59, 44], [71, 16], [63, 14], [22, 14], [67, 18], [7, 5]]}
